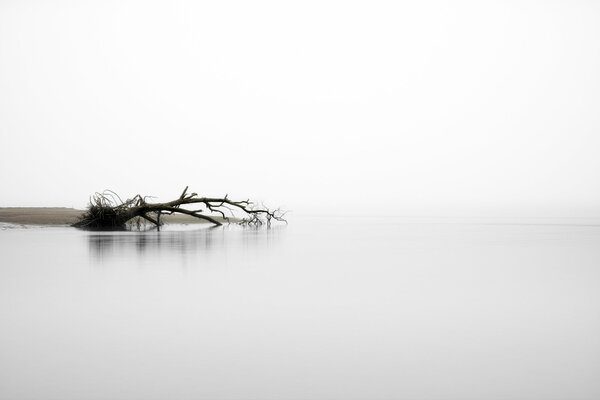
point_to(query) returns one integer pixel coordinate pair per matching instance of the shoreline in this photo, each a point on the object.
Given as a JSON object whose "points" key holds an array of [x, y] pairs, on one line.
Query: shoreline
{"points": [[39, 215], [60, 216]]}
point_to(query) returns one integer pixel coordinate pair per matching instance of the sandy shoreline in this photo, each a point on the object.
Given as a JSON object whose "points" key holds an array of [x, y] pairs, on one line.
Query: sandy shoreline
{"points": [[39, 215], [64, 216]]}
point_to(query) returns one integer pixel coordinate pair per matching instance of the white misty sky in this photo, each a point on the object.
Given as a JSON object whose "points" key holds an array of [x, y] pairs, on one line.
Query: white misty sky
{"points": [[407, 107]]}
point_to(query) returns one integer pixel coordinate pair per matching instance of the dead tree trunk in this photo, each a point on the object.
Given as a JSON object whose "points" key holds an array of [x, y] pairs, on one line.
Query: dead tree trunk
{"points": [[107, 211]]}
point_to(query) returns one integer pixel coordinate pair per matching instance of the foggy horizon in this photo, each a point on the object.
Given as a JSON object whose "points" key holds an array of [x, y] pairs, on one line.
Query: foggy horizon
{"points": [[433, 108]]}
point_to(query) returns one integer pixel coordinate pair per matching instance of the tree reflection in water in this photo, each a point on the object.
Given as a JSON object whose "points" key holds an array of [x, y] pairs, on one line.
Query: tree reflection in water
{"points": [[178, 240]]}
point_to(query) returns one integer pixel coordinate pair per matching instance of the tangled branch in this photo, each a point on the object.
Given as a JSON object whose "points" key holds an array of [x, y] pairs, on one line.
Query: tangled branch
{"points": [[107, 211]]}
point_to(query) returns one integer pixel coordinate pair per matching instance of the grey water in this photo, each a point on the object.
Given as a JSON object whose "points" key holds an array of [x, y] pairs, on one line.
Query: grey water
{"points": [[324, 308]]}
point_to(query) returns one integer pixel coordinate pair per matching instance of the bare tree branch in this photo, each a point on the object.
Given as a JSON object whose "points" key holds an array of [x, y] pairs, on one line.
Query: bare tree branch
{"points": [[107, 211]]}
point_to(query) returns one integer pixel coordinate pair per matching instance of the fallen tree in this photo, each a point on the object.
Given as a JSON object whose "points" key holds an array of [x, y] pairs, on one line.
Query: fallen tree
{"points": [[107, 211]]}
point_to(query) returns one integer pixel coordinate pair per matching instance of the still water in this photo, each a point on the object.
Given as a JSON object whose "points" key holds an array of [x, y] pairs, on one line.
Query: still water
{"points": [[321, 309]]}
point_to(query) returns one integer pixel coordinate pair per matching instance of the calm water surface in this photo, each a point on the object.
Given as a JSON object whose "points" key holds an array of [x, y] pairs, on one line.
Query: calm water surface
{"points": [[320, 309]]}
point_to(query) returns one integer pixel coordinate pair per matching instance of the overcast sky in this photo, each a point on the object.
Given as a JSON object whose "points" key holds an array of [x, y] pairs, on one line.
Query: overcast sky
{"points": [[401, 107]]}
